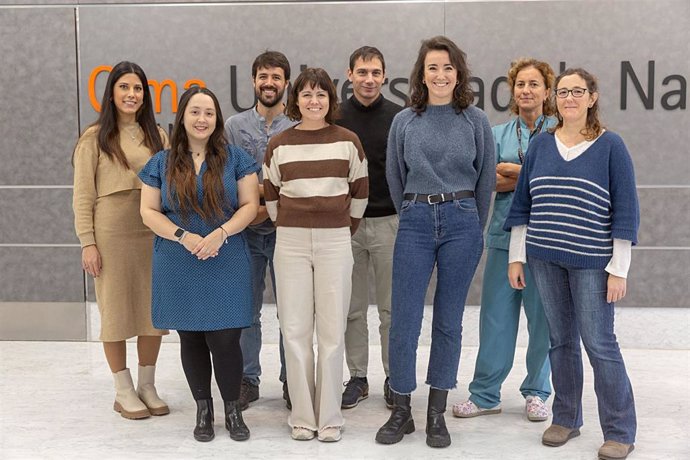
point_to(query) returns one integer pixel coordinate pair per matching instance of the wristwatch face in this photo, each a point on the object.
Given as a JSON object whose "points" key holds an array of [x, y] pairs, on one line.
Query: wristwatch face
{"points": [[178, 233]]}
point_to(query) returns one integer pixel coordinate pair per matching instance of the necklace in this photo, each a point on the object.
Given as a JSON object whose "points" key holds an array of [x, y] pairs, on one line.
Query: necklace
{"points": [[196, 154], [133, 131]]}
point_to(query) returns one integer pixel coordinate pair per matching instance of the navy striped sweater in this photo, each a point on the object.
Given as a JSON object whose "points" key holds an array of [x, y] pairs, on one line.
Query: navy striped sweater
{"points": [[574, 209]]}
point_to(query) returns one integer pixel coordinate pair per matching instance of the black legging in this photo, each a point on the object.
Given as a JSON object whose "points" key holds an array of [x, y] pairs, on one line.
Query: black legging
{"points": [[196, 349]]}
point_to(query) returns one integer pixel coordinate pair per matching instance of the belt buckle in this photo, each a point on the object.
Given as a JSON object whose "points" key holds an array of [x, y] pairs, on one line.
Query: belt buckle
{"points": [[433, 199]]}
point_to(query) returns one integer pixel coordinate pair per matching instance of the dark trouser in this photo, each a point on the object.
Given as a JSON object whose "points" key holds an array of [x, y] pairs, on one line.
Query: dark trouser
{"points": [[196, 350]]}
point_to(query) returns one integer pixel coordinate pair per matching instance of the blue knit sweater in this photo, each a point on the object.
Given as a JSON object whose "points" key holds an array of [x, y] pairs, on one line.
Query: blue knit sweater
{"points": [[574, 209], [442, 151]]}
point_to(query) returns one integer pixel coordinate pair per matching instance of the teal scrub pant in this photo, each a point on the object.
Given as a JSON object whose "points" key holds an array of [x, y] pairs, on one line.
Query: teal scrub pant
{"points": [[499, 318]]}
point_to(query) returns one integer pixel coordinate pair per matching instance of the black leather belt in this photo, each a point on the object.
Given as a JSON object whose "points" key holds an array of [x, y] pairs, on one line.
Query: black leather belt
{"points": [[438, 197]]}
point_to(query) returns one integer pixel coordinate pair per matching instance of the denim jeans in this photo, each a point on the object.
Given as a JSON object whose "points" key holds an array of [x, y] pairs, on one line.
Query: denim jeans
{"points": [[261, 248], [575, 305], [446, 235]]}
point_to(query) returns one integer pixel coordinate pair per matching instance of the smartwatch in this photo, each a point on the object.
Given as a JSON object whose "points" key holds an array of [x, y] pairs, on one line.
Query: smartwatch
{"points": [[179, 233]]}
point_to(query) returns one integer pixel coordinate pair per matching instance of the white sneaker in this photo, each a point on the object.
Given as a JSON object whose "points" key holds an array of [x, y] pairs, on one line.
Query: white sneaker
{"points": [[330, 434], [468, 409], [302, 434], [536, 409]]}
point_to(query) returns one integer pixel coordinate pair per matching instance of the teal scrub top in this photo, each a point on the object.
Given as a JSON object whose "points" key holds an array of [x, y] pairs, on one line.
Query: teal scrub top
{"points": [[505, 137]]}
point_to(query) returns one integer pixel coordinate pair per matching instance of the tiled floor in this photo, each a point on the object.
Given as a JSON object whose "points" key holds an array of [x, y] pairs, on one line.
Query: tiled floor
{"points": [[56, 403]]}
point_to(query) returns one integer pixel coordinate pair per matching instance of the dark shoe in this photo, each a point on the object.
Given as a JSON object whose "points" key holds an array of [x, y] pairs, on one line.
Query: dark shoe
{"points": [[400, 422], [234, 423], [613, 450], [557, 435], [387, 396], [203, 431], [286, 396], [248, 393], [436, 432], [356, 390]]}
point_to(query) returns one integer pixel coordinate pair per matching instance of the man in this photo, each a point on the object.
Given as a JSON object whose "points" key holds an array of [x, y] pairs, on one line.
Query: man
{"points": [[251, 130], [370, 115]]}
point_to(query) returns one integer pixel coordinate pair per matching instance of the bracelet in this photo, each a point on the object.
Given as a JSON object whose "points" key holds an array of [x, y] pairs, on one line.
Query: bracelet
{"points": [[225, 239]]}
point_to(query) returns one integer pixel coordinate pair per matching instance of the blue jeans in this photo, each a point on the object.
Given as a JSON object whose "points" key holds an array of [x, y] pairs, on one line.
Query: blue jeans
{"points": [[575, 306], [499, 319], [261, 248], [446, 235]]}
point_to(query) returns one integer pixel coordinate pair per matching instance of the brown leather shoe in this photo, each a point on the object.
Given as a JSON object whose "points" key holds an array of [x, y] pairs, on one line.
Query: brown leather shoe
{"points": [[557, 435], [612, 450]]}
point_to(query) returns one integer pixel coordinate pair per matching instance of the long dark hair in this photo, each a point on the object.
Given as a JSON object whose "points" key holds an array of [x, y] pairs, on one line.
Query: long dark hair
{"points": [[180, 170], [419, 93], [593, 125], [108, 131]]}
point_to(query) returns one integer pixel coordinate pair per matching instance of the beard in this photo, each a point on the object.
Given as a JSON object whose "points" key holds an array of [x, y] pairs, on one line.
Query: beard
{"points": [[272, 101]]}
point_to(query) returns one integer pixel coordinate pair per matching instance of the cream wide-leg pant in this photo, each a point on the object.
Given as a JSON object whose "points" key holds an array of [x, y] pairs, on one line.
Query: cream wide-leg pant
{"points": [[313, 268]]}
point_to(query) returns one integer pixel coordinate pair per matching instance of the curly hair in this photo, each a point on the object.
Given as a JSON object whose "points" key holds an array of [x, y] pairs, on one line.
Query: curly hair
{"points": [[419, 93], [546, 73]]}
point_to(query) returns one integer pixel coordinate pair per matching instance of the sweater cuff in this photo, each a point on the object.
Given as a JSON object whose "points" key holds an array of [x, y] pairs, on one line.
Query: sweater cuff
{"points": [[87, 239]]}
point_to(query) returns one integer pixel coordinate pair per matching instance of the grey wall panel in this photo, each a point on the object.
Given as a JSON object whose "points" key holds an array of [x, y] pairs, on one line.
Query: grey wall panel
{"points": [[36, 216], [37, 2], [664, 217], [38, 123], [658, 278], [42, 321], [606, 33], [176, 53], [40, 274], [90, 289]]}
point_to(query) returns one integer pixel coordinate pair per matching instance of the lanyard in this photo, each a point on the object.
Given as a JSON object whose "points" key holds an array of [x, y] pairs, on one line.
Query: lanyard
{"points": [[536, 130]]}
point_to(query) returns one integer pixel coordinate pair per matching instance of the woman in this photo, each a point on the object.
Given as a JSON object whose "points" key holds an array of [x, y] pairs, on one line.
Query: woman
{"points": [[531, 83], [316, 188], [441, 172], [197, 198], [116, 246], [574, 218]]}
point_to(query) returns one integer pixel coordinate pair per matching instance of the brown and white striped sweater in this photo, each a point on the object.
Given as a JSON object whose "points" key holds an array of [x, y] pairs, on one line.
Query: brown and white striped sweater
{"points": [[316, 179]]}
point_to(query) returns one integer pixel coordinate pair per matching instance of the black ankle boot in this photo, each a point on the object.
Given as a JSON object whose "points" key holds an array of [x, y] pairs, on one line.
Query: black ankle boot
{"points": [[203, 431], [400, 422], [436, 432], [234, 423]]}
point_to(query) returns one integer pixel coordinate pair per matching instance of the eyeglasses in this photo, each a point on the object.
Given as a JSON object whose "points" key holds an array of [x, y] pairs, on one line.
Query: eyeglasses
{"points": [[577, 92]]}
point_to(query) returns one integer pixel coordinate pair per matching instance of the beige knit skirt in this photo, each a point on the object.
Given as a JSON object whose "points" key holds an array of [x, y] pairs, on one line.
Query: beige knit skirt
{"points": [[123, 290]]}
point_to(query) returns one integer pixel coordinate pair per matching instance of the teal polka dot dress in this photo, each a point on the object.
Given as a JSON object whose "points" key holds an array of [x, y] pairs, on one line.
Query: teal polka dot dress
{"points": [[200, 295]]}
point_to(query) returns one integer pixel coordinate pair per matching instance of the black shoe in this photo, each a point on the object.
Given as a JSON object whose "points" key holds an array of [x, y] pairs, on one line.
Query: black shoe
{"points": [[400, 422], [286, 396], [387, 396], [203, 431], [248, 393], [356, 390], [436, 432], [234, 423]]}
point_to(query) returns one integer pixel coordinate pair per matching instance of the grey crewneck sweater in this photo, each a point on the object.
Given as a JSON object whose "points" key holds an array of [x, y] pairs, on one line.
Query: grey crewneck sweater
{"points": [[442, 151]]}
